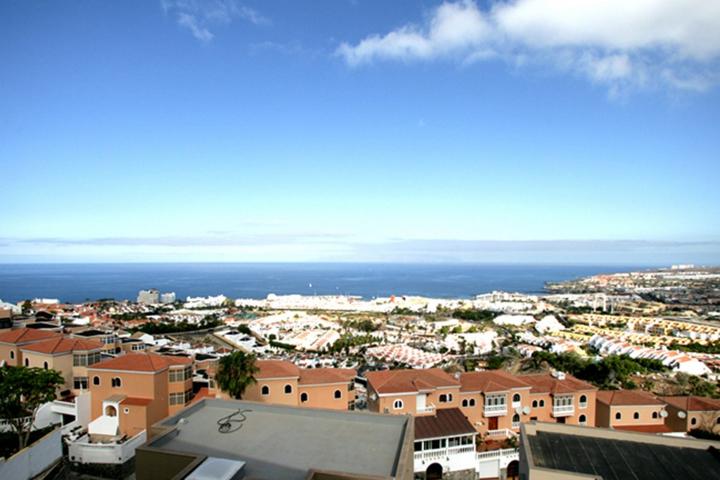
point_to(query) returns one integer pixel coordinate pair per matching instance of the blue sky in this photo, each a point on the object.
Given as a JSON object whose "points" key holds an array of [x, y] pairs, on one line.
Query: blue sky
{"points": [[528, 130]]}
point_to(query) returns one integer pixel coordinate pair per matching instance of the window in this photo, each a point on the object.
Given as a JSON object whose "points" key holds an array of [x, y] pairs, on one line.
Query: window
{"points": [[583, 401], [96, 380], [177, 398], [27, 362], [126, 410], [265, 390], [618, 416], [418, 446], [542, 403], [465, 402], [534, 404], [636, 416], [516, 421], [398, 404], [516, 398], [718, 421], [45, 365], [85, 359], [582, 419], [12, 354], [180, 374], [434, 444], [303, 397], [471, 402], [443, 398], [80, 383], [693, 421], [338, 394], [137, 346], [288, 389], [116, 382], [654, 414], [458, 441]]}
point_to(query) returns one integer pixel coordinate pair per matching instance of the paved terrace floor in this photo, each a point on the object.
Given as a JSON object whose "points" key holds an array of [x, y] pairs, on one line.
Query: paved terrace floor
{"points": [[283, 443]]}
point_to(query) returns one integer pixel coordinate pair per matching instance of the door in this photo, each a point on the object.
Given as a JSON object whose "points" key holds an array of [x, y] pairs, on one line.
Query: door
{"points": [[493, 423], [420, 405]]}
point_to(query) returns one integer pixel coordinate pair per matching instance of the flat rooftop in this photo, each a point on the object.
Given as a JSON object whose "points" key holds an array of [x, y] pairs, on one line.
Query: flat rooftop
{"points": [[284, 443], [621, 457]]}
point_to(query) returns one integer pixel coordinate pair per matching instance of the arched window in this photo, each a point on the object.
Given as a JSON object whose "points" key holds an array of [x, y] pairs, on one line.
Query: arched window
{"points": [[618, 416], [96, 380], [472, 402], [693, 421], [534, 404], [45, 365], [265, 390], [27, 362], [542, 403], [516, 398], [288, 389], [465, 402], [12, 354], [636, 416], [654, 414], [303, 397], [116, 382], [718, 421], [516, 421], [338, 394], [583, 401], [398, 404], [582, 419], [449, 397], [110, 411], [443, 398]]}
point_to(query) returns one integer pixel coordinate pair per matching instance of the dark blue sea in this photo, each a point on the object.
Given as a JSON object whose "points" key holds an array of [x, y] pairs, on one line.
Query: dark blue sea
{"points": [[81, 282]]}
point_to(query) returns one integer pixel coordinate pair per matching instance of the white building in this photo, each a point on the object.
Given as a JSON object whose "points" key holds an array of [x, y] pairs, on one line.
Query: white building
{"points": [[167, 297], [148, 297]]}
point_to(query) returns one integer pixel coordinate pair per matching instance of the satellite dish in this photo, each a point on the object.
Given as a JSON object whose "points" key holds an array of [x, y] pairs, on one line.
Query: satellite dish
{"points": [[663, 414], [682, 414], [526, 410], [373, 397], [518, 410]]}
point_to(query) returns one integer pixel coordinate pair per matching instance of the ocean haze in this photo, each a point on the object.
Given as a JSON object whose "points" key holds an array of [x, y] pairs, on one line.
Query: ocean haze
{"points": [[81, 282]]}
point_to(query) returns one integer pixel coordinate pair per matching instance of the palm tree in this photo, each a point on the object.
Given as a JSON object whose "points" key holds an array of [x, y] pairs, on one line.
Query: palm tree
{"points": [[236, 372]]}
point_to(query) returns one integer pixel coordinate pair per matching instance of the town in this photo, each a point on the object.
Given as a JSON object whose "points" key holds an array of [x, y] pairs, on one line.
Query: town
{"points": [[451, 388]]}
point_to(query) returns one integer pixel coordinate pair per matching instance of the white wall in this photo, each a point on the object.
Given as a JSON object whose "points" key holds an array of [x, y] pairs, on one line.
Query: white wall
{"points": [[33, 460]]}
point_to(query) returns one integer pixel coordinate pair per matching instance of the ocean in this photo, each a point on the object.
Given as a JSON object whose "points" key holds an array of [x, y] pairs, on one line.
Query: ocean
{"points": [[80, 282]]}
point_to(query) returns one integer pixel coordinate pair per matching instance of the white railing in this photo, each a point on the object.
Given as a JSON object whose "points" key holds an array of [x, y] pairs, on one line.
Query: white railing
{"points": [[444, 452], [582, 404], [501, 433], [563, 410], [427, 409], [494, 454], [495, 410], [63, 407]]}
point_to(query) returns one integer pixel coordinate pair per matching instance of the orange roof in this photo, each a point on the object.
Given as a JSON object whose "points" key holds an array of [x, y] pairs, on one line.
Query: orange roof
{"points": [[401, 381], [63, 345], [657, 428], [136, 401], [693, 403], [490, 381], [318, 376], [546, 383], [627, 397], [276, 369], [26, 335], [141, 362]]}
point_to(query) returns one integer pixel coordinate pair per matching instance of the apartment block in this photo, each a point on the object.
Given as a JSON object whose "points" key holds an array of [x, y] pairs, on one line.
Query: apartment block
{"points": [[685, 413], [281, 382], [414, 392], [631, 410], [561, 398], [12, 341]]}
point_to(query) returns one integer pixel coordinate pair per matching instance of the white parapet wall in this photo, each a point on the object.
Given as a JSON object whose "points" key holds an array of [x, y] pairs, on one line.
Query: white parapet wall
{"points": [[82, 451], [490, 464], [33, 460]]}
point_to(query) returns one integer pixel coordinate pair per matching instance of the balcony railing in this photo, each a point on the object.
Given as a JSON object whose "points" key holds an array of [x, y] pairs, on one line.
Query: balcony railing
{"points": [[444, 452], [426, 409], [563, 410], [501, 433], [495, 410], [506, 453]]}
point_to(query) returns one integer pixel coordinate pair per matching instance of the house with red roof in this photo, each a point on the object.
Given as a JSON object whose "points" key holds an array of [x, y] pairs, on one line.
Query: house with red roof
{"points": [[633, 410], [691, 412], [11, 341]]}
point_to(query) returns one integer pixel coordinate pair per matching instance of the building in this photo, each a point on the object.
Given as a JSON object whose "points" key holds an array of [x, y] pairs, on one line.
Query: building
{"points": [[108, 338], [148, 297], [687, 413], [561, 398], [132, 392], [167, 298], [445, 444], [414, 392], [236, 439], [550, 451], [630, 410], [12, 341], [282, 383]]}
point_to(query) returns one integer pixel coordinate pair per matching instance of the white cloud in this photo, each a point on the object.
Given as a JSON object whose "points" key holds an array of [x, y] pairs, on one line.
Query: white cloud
{"points": [[614, 42], [199, 15]]}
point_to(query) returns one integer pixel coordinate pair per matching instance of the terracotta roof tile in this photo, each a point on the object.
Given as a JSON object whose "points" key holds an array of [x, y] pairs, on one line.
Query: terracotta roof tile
{"points": [[26, 335], [627, 397], [693, 403], [490, 381], [63, 345], [136, 401], [546, 383], [141, 362], [319, 376], [446, 422], [276, 369], [400, 381]]}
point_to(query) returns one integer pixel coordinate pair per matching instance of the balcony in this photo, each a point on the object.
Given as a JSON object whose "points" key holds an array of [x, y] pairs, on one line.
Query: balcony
{"points": [[426, 409], [495, 410], [563, 410], [431, 455], [500, 434], [83, 450]]}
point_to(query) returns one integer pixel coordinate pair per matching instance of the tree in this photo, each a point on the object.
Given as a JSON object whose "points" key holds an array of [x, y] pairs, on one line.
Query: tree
{"points": [[236, 372], [22, 391]]}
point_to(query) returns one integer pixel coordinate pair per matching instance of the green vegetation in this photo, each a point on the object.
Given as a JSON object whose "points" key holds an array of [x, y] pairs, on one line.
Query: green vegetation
{"points": [[693, 385], [402, 311], [474, 315], [160, 328], [610, 372], [697, 347], [236, 372], [284, 346], [345, 342], [22, 391], [366, 325]]}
